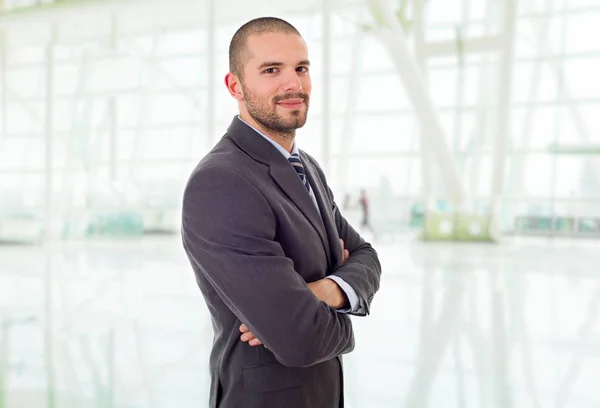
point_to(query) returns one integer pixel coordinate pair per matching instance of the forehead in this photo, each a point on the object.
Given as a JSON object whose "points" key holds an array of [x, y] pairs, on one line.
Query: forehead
{"points": [[277, 47]]}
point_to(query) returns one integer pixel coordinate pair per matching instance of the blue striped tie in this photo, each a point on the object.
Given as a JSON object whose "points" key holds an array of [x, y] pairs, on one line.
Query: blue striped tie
{"points": [[297, 164]]}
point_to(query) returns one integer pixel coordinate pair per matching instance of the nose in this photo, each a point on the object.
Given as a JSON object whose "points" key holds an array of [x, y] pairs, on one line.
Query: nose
{"points": [[292, 82]]}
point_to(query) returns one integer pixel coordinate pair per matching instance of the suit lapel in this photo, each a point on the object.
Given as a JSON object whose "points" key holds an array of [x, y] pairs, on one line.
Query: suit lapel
{"points": [[286, 177], [282, 173], [334, 249]]}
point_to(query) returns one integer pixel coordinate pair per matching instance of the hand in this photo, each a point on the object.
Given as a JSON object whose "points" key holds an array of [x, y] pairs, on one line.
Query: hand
{"points": [[345, 252], [247, 336], [326, 290]]}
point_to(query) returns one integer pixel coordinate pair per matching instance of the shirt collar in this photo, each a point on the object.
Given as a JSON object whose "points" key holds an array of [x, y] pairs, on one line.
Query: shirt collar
{"points": [[285, 153]]}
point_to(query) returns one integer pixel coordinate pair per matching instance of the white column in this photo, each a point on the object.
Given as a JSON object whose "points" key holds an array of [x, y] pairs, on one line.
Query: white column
{"points": [[112, 152], [49, 221], [326, 118], [211, 70], [112, 111], [4, 369], [558, 122], [426, 154], [3, 101], [504, 107]]}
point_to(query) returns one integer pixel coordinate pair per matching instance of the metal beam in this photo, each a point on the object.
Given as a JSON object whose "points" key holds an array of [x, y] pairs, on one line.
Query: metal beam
{"points": [[426, 153], [112, 112], [327, 85], [3, 82], [49, 137], [470, 46], [504, 105], [590, 149], [211, 93], [391, 35]]}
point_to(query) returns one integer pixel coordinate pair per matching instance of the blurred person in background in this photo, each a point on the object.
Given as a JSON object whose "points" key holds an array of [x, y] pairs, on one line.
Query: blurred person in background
{"points": [[363, 201], [279, 267]]}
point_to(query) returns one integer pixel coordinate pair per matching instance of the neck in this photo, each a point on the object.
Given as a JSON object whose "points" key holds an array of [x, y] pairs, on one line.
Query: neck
{"points": [[284, 139]]}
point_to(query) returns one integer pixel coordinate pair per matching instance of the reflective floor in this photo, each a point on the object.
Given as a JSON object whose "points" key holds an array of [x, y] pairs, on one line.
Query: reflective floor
{"points": [[122, 324]]}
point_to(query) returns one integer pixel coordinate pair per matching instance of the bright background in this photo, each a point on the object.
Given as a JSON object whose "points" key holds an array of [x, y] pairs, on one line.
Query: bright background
{"points": [[435, 108]]}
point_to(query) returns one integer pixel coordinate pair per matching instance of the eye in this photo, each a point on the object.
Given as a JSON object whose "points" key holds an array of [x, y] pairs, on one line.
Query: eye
{"points": [[270, 70], [302, 69]]}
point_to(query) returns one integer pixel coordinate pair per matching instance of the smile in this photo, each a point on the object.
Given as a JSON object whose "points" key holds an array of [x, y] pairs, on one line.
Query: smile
{"points": [[291, 103]]}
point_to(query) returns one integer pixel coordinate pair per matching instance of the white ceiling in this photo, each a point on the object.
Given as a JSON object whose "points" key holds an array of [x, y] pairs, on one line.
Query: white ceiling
{"points": [[76, 20]]}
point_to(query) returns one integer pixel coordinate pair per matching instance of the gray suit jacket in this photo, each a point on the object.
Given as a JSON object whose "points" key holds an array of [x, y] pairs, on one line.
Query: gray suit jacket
{"points": [[254, 239]]}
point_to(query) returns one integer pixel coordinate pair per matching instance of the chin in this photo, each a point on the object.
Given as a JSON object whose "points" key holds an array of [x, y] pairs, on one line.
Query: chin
{"points": [[296, 124]]}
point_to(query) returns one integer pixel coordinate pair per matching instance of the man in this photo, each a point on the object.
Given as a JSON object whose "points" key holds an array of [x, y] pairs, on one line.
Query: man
{"points": [[279, 267], [363, 201]]}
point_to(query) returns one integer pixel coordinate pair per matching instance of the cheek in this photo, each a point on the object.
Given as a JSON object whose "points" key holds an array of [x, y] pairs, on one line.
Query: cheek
{"points": [[267, 93], [307, 85]]}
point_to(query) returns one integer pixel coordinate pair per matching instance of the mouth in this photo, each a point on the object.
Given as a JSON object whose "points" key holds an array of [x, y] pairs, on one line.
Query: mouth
{"points": [[291, 103]]}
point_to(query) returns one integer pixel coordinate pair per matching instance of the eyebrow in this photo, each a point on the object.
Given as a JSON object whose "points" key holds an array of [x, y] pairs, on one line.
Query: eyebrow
{"points": [[279, 64]]}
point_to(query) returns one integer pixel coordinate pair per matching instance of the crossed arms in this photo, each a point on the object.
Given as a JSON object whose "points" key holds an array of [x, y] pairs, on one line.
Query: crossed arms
{"points": [[226, 224]]}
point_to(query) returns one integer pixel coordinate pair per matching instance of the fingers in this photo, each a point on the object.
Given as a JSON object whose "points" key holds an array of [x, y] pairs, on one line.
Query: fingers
{"points": [[248, 337], [345, 252], [255, 342]]}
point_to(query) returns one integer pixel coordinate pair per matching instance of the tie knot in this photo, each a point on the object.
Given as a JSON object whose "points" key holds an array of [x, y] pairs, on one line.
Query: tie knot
{"points": [[297, 165], [296, 162]]}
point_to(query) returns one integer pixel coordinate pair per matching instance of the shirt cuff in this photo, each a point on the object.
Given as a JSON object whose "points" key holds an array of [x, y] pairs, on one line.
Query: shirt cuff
{"points": [[350, 293]]}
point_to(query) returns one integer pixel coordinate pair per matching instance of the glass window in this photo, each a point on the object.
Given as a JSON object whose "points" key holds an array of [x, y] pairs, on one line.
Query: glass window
{"points": [[448, 11], [534, 127], [371, 134], [176, 72], [25, 54], [535, 81], [375, 56], [381, 93], [443, 86], [581, 74], [583, 32], [26, 82], [24, 117], [114, 74]]}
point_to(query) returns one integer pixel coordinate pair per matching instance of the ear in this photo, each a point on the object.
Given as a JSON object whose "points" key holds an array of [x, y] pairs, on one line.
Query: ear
{"points": [[234, 86]]}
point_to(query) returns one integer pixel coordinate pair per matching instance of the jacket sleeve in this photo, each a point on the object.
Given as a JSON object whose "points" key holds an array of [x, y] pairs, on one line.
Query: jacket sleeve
{"points": [[362, 271], [228, 232]]}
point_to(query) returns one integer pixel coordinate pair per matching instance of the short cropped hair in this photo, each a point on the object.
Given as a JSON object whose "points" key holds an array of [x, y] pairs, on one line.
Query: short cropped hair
{"points": [[238, 52]]}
